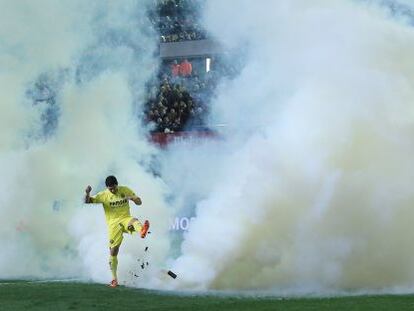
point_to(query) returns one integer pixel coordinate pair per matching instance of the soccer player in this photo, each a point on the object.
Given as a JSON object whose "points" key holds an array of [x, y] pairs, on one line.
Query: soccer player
{"points": [[115, 201]]}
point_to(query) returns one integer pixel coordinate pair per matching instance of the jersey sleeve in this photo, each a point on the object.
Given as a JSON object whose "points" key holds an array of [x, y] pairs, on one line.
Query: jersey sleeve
{"points": [[129, 193], [98, 198]]}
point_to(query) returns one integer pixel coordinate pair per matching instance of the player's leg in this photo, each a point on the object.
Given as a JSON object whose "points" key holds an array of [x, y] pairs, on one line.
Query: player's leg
{"points": [[135, 225], [113, 265], [115, 240]]}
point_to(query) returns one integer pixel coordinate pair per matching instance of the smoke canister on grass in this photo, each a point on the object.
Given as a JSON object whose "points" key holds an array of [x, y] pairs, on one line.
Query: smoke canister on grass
{"points": [[172, 274]]}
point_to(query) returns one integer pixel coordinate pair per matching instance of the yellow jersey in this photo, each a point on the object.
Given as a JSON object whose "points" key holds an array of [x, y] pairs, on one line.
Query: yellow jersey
{"points": [[116, 206]]}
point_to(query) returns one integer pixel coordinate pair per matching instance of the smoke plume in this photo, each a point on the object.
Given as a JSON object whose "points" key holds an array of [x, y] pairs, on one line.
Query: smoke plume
{"points": [[73, 76], [308, 189]]}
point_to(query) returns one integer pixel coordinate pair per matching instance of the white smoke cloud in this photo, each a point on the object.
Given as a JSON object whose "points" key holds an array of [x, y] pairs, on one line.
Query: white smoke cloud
{"points": [[313, 195], [103, 51], [308, 191]]}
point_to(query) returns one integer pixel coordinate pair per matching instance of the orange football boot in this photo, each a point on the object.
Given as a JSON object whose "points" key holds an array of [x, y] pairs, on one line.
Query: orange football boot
{"points": [[114, 283], [144, 229]]}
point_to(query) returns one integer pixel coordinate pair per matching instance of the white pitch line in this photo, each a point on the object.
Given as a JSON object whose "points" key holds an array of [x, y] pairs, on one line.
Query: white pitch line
{"points": [[42, 281]]}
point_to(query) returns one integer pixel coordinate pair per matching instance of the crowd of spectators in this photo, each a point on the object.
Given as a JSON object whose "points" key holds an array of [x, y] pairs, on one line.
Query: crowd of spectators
{"points": [[171, 108], [177, 20], [179, 98], [180, 95]]}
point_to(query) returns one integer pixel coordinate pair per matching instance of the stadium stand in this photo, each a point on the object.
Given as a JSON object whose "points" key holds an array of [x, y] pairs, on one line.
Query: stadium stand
{"points": [[178, 96], [177, 20]]}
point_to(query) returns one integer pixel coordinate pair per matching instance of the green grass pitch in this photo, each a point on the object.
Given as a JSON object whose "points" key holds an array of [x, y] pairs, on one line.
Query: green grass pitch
{"points": [[22, 295]]}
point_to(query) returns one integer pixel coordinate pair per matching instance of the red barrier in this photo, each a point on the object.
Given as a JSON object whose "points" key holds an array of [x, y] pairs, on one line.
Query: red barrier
{"points": [[163, 139]]}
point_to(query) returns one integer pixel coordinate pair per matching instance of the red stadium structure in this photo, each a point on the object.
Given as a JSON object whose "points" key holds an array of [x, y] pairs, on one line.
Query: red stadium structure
{"points": [[163, 139]]}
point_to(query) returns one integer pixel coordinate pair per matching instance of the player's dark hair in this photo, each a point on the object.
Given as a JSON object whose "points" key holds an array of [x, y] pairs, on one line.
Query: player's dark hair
{"points": [[111, 181]]}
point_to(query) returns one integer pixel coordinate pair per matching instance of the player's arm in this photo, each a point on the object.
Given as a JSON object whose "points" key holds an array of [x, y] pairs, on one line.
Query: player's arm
{"points": [[136, 199], [132, 196], [88, 198]]}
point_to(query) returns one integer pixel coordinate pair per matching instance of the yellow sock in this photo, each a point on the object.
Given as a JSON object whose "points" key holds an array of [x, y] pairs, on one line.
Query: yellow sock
{"points": [[113, 265], [137, 226]]}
